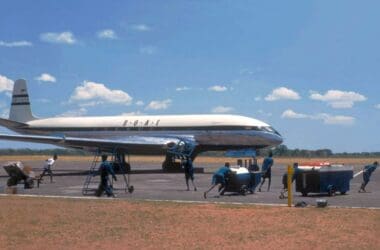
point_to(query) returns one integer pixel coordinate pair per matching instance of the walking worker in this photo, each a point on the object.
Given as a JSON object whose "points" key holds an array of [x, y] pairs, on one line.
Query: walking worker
{"points": [[266, 169], [49, 163], [189, 172], [367, 172], [105, 170], [219, 178], [285, 180]]}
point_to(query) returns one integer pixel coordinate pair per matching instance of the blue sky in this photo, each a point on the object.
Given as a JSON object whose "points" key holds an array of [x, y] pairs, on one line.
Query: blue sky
{"points": [[309, 68]]}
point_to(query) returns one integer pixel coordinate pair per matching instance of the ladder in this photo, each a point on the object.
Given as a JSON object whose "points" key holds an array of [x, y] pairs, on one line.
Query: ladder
{"points": [[91, 184]]}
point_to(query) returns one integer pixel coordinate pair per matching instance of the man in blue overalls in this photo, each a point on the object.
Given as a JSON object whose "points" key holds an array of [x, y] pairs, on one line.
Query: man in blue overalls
{"points": [[219, 178], [189, 172], [266, 169], [105, 170], [285, 180], [367, 172]]}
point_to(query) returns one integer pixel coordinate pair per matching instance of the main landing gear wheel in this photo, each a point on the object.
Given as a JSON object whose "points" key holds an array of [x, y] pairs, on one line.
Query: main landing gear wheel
{"points": [[131, 189]]}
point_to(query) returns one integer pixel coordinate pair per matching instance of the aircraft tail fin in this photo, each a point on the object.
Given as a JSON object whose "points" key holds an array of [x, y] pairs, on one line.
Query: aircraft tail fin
{"points": [[20, 108]]}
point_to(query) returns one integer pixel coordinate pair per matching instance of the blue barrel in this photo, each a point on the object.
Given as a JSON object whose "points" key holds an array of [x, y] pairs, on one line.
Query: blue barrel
{"points": [[243, 182]]}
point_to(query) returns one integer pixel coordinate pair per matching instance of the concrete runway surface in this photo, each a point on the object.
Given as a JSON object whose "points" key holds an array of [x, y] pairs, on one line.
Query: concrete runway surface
{"points": [[156, 185]]}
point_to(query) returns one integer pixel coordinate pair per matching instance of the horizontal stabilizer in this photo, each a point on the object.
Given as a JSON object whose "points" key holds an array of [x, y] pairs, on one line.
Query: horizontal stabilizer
{"points": [[12, 124]]}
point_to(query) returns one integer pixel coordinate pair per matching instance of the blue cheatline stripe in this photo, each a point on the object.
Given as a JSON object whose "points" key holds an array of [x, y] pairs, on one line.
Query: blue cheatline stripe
{"points": [[150, 128], [20, 103], [22, 95]]}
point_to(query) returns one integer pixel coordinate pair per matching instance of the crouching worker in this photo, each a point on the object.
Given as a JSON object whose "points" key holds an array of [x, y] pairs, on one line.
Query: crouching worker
{"points": [[105, 170], [219, 178], [285, 180], [367, 172]]}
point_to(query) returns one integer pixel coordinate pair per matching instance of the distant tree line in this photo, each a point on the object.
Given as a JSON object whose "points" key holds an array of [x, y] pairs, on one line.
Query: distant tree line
{"points": [[284, 151], [28, 151], [279, 151]]}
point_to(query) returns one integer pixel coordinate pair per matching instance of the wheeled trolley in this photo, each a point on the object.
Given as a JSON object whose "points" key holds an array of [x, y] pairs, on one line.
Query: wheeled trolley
{"points": [[18, 172], [242, 181], [323, 178]]}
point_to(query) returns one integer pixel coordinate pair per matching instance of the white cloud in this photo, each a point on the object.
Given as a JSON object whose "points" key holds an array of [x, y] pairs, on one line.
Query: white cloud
{"points": [[6, 85], [339, 99], [74, 113], [377, 106], [90, 104], [156, 105], [140, 103], [106, 34], [148, 50], [184, 88], [282, 93], [141, 27], [222, 109], [98, 93], [217, 88], [293, 115], [326, 118], [45, 77], [336, 120], [65, 37], [16, 44], [134, 113]]}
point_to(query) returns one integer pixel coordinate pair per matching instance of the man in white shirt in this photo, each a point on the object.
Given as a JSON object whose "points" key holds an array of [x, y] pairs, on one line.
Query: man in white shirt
{"points": [[49, 163]]}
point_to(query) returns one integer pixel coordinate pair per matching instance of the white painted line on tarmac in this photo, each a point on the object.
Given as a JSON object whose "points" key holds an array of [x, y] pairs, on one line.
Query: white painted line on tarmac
{"points": [[56, 197], [171, 201], [215, 202]]}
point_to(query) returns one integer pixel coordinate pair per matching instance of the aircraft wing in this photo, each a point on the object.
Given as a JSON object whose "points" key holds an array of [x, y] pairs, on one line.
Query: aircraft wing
{"points": [[131, 144]]}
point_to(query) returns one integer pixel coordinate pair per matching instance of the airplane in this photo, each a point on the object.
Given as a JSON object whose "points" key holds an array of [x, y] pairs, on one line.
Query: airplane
{"points": [[170, 135]]}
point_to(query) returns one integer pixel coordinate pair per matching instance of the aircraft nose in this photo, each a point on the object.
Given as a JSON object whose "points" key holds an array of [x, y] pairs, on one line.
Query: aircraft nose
{"points": [[277, 139]]}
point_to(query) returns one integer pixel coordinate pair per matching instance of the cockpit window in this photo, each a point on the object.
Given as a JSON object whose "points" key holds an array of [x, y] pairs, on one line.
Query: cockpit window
{"points": [[266, 129], [270, 130]]}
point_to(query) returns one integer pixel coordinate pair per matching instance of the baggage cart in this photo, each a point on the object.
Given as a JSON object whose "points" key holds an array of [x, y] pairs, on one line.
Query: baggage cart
{"points": [[17, 173], [323, 178]]}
